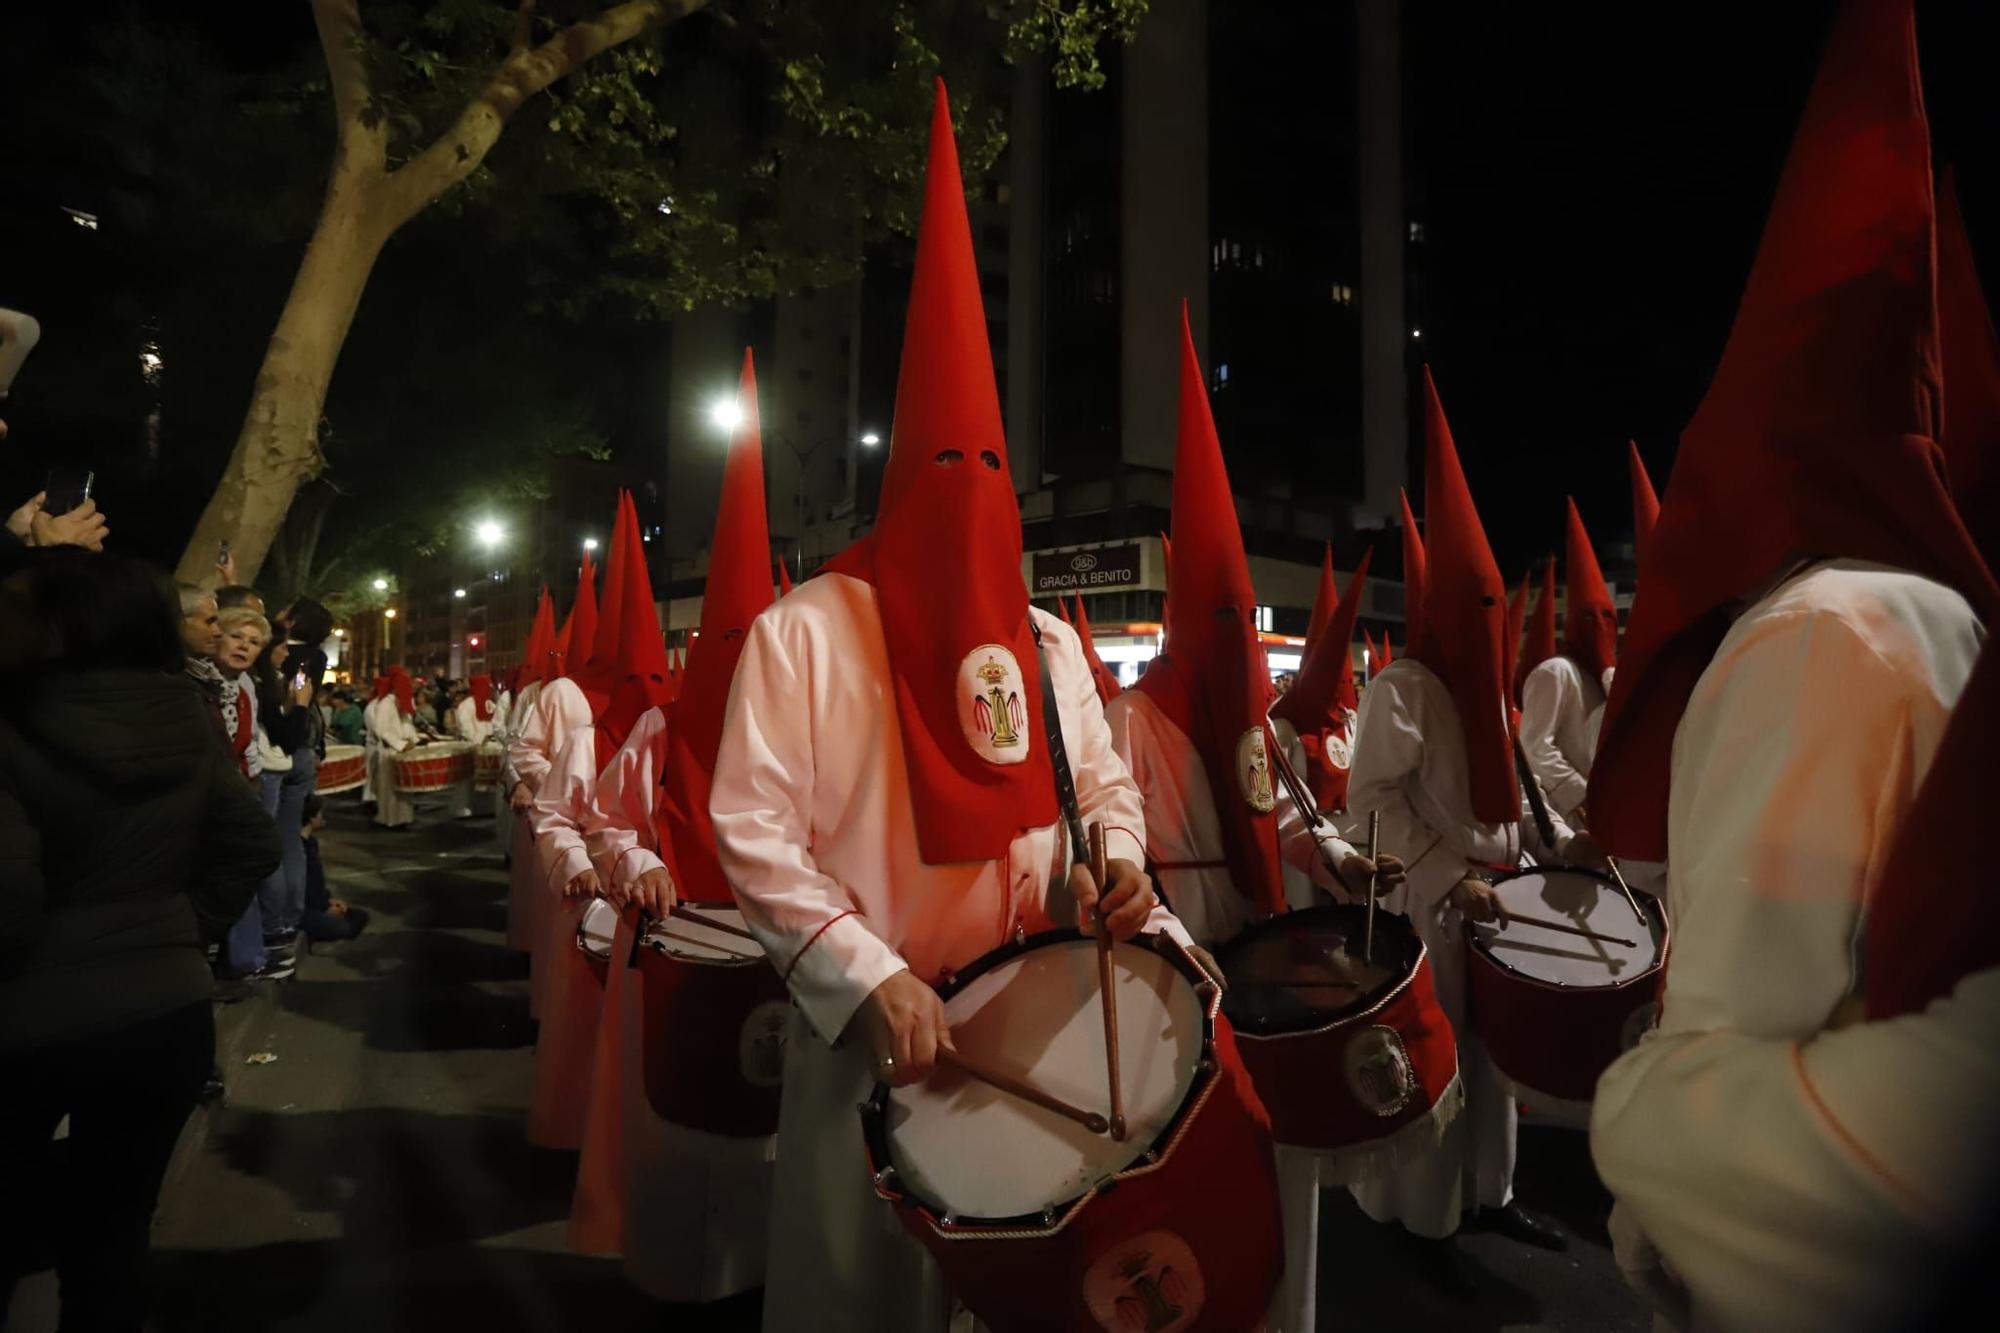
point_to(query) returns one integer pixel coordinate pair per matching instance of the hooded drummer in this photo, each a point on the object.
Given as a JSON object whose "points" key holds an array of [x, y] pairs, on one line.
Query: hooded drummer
{"points": [[1811, 608], [1221, 823], [1434, 757], [1562, 696], [884, 803]]}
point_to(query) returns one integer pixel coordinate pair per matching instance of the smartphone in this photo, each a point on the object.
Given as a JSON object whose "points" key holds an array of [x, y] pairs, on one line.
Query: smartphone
{"points": [[222, 553], [66, 488]]}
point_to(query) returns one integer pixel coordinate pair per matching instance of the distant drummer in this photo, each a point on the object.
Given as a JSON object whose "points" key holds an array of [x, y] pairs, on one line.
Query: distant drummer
{"points": [[1435, 758], [1562, 697], [1222, 823], [884, 801], [390, 720]]}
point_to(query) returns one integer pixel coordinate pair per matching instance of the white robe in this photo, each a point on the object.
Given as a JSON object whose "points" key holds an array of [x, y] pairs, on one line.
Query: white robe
{"points": [[393, 734], [525, 759], [1182, 825], [1561, 710], [689, 1210], [570, 996], [1410, 765], [813, 821], [1800, 753]]}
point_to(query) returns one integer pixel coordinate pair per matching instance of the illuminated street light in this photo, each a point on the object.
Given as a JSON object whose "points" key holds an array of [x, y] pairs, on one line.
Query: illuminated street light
{"points": [[389, 613], [870, 439], [458, 592], [381, 585], [726, 412], [590, 543], [488, 532]]}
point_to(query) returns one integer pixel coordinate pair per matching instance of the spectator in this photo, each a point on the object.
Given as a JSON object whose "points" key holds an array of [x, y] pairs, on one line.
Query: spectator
{"points": [[104, 997], [244, 633], [288, 723], [327, 917], [201, 640], [347, 726]]}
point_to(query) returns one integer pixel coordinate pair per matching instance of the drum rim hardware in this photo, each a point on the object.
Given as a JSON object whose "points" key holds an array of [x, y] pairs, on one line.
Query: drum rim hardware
{"points": [[1053, 1216]]}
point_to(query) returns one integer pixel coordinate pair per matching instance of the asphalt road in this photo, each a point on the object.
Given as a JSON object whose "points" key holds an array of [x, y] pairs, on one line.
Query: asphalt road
{"points": [[373, 1175]]}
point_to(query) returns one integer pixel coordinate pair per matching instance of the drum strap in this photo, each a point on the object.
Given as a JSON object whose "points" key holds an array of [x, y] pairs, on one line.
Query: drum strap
{"points": [[1537, 807], [1058, 755]]}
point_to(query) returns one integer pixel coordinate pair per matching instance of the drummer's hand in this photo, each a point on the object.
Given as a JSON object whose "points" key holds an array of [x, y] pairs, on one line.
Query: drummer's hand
{"points": [[1128, 898], [584, 884], [1389, 872], [521, 798], [1476, 900], [1582, 850], [902, 1025], [652, 892]]}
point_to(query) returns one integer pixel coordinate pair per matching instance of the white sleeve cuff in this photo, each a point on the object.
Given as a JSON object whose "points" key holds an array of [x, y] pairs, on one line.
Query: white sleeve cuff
{"points": [[569, 862], [838, 969], [635, 862]]}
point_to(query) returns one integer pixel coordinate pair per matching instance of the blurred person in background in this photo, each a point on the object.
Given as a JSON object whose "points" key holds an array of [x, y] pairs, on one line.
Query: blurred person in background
{"points": [[288, 727], [104, 994], [327, 917]]}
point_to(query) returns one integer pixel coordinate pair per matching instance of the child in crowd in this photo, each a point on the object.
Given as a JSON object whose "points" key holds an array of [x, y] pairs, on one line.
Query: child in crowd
{"points": [[327, 917]]}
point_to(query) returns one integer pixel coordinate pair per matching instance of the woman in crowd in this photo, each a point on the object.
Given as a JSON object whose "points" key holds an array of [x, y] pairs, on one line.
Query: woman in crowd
{"points": [[126, 834], [291, 743], [244, 634]]}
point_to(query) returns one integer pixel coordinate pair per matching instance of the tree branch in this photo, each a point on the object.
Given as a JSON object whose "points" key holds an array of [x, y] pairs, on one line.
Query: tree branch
{"points": [[357, 144], [524, 28], [460, 150]]}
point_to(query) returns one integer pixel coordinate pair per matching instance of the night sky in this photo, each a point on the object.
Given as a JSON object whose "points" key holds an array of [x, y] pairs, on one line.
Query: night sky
{"points": [[1591, 180]]}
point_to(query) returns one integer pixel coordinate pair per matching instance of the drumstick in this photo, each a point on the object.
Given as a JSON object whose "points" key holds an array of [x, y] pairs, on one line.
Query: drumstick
{"points": [[1626, 889], [686, 912], [1566, 929], [1368, 930], [1014, 1087], [1101, 872]]}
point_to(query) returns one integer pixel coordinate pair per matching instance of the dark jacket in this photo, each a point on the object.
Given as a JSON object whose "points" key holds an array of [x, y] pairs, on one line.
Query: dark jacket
{"points": [[126, 836]]}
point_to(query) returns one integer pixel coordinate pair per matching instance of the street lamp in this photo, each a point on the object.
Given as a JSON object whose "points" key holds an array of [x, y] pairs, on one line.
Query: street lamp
{"points": [[381, 585], [590, 543], [389, 613], [726, 412], [458, 592], [870, 438], [488, 532]]}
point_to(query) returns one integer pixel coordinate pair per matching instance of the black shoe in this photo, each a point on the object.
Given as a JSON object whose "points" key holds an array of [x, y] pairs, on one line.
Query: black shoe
{"points": [[281, 946], [1445, 1268], [276, 968], [1516, 1223]]}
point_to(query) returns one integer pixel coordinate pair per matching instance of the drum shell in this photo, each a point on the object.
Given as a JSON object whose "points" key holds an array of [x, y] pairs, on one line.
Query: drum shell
{"points": [[694, 1020], [1303, 1080], [344, 768], [1556, 1040], [486, 761], [1212, 1199], [430, 768]]}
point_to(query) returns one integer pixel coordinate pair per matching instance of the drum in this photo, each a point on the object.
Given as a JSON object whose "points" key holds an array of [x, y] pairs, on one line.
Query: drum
{"points": [[1039, 1223], [1348, 1055], [1556, 1008], [434, 767], [715, 1014], [595, 930], [344, 768], [486, 760]]}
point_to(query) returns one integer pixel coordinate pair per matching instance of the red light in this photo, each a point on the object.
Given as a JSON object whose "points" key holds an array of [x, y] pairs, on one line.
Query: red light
{"points": [[474, 641]]}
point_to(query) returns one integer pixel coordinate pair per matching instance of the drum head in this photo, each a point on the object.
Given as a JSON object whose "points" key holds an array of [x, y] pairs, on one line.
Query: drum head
{"points": [[692, 941], [1576, 898], [1304, 970], [595, 929], [974, 1152]]}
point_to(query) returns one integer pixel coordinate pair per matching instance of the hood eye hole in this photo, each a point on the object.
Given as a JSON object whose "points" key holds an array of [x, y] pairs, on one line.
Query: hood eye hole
{"points": [[1489, 601], [991, 459], [949, 457]]}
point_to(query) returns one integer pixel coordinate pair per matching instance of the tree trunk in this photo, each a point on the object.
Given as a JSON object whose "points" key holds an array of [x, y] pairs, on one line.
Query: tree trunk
{"points": [[278, 447]]}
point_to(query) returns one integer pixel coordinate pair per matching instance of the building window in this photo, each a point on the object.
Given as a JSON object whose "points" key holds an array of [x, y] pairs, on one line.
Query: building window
{"points": [[1343, 294], [1416, 233], [1222, 375], [1264, 619]]}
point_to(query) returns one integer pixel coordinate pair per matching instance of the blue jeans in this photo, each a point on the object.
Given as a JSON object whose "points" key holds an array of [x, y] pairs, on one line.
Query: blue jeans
{"points": [[283, 894]]}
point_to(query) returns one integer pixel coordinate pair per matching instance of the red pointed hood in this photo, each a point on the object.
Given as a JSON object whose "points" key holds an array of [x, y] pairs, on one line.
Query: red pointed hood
{"points": [[737, 591], [1464, 625], [945, 558], [383, 686], [579, 628], [1374, 654], [1645, 504], [482, 697], [541, 642], [1062, 613], [1540, 645], [1818, 436], [1413, 575], [594, 662], [1325, 598], [784, 575], [638, 671], [1324, 691], [1212, 679], [1930, 915], [404, 689], [1971, 381], [1517, 619], [1103, 676], [1388, 649], [1590, 617]]}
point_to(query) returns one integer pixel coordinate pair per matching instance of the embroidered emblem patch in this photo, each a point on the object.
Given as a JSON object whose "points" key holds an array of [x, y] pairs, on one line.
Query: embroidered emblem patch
{"points": [[1253, 771], [760, 1045], [1378, 1072], [1148, 1284], [991, 709], [1338, 743]]}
